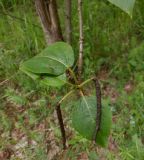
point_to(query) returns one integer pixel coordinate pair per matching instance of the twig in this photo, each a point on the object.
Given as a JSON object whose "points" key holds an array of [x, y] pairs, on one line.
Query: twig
{"points": [[68, 24], [99, 108], [80, 59], [68, 94], [60, 119], [85, 82]]}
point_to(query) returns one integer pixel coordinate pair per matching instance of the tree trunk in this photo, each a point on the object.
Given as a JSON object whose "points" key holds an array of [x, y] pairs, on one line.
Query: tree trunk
{"points": [[47, 11]]}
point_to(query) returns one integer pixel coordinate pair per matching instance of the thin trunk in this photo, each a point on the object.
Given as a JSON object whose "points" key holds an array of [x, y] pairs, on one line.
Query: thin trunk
{"points": [[47, 11], [68, 23], [80, 60]]}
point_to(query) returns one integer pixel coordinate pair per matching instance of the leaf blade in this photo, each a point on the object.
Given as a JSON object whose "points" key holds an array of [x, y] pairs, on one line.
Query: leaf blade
{"points": [[84, 120], [66, 56], [43, 65], [55, 81], [126, 5], [54, 60]]}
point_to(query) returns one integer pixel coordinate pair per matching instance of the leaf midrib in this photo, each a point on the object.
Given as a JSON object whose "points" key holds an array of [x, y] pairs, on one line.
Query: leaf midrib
{"points": [[55, 60], [49, 58], [91, 116]]}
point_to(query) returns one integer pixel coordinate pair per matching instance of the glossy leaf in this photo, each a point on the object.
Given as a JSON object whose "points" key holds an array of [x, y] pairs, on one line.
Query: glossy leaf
{"points": [[54, 60], [84, 119], [126, 5]]}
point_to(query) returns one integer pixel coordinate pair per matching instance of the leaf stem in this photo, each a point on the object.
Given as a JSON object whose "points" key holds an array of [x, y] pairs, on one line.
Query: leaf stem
{"points": [[73, 75], [68, 94], [85, 82], [68, 83]]}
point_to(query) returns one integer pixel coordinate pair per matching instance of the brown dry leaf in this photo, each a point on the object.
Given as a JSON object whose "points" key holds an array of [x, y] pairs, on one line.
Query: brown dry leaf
{"points": [[111, 92], [17, 134], [52, 147], [102, 153], [83, 156], [103, 73], [6, 154], [128, 87], [112, 145]]}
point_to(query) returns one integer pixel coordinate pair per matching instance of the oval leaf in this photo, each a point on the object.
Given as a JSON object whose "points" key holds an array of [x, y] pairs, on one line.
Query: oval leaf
{"points": [[54, 60], [61, 52], [126, 5], [84, 120], [44, 65]]}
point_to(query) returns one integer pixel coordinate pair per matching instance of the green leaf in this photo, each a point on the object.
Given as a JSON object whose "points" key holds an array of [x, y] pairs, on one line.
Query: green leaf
{"points": [[61, 52], [54, 60], [44, 65], [30, 74], [84, 119], [126, 5], [55, 81]]}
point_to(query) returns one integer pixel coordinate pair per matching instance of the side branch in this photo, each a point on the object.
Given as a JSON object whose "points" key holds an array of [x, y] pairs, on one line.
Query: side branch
{"points": [[80, 59]]}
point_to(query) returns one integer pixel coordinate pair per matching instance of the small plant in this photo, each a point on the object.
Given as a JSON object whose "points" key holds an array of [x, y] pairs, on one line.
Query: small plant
{"points": [[90, 117], [50, 67]]}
